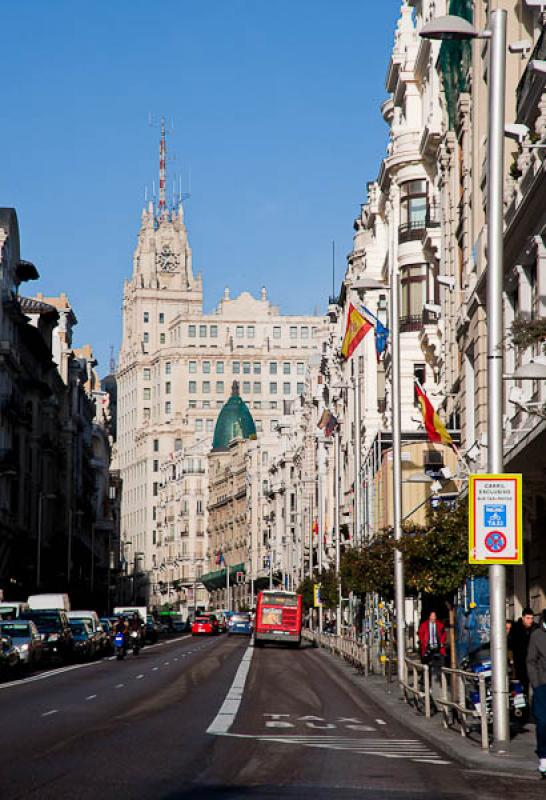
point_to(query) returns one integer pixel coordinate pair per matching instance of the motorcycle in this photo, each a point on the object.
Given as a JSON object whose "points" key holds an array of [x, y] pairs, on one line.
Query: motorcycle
{"points": [[135, 642], [120, 646], [479, 663]]}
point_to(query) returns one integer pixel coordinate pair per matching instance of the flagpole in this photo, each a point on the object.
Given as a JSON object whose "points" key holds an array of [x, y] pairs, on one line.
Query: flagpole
{"points": [[358, 456]]}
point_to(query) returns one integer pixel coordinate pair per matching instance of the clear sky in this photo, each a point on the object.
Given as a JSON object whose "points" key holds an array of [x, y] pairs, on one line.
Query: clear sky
{"points": [[276, 113]]}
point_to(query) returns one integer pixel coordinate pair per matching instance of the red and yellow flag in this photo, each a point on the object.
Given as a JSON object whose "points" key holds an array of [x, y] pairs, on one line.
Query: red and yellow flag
{"points": [[357, 328], [433, 424]]}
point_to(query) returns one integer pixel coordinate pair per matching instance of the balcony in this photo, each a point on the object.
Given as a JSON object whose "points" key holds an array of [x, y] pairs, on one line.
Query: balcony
{"points": [[531, 85], [416, 229]]}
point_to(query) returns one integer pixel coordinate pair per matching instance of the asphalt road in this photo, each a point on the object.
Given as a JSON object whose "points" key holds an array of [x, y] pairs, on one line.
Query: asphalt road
{"points": [[193, 719]]}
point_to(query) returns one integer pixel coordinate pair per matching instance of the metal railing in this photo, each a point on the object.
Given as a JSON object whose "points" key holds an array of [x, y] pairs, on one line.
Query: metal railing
{"points": [[352, 651], [417, 693], [456, 705]]}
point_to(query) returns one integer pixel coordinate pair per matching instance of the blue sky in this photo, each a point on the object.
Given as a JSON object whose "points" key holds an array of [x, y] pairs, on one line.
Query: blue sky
{"points": [[276, 112]]}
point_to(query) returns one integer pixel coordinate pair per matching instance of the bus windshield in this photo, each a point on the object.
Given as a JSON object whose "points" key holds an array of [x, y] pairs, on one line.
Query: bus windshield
{"points": [[280, 599]]}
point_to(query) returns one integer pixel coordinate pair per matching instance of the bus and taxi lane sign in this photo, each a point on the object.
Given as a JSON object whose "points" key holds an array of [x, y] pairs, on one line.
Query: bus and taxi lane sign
{"points": [[495, 519]]}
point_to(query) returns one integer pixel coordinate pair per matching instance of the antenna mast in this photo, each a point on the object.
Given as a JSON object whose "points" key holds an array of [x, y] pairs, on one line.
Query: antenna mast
{"points": [[162, 171], [333, 270]]}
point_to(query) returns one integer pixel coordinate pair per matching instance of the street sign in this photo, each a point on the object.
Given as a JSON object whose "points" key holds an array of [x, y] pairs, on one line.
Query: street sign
{"points": [[495, 519], [317, 602]]}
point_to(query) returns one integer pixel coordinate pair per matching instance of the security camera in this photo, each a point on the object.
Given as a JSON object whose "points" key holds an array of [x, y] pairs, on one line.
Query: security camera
{"points": [[446, 280], [522, 46], [517, 131], [433, 308]]}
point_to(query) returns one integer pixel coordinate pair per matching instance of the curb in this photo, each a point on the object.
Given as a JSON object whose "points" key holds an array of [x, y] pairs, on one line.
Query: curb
{"points": [[506, 764]]}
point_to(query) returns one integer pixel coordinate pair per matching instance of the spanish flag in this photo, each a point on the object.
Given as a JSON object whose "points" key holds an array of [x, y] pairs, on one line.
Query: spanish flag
{"points": [[433, 424], [357, 328]]}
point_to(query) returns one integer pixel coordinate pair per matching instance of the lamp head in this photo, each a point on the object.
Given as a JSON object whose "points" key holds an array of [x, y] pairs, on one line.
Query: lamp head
{"points": [[450, 27]]}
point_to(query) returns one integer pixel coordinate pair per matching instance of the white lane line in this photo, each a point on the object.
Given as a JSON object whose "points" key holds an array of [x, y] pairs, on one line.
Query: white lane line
{"points": [[154, 669], [176, 659], [119, 686], [166, 663], [49, 713], [381, 722], [138, 677], [228, 711], [91, 697]]}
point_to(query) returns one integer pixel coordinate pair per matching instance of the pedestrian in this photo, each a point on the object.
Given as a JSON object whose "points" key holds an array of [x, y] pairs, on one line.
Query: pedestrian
{"points": [[536, 669], [432, 644], [518, 644]]}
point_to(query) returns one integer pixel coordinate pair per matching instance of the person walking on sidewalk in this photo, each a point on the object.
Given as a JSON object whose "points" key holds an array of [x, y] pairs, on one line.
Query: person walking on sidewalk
{"points": [[432, 643], [518, 643], [536, 669]]}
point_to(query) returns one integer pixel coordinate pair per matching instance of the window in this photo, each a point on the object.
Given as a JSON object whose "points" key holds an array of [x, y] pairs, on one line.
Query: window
{"points": [[146, 337], [206, 387], [210, 425], [168, 387], [286, 368], [246, 367], [200, 509], [219, 403], [413, 209], [276, 332], [264, 458], [156, 445], [147, 373], [300, 388], [419, 376], [286, 388], [178, 444], [273, 425], [250, 330], [236, 367], [259, 426], [206, 367], [193, 387], [257, 368], [202, 331], [273, 404], [191, 331], [161, 338], [305, 333], [155, 489], [301, 368], [156, 465], [146, 414], [257, 387], [272, 367], [314, 332], [413, 282], [213, 331], [193, 367], [147, 393], [161, 318], [205, 404], [272, 388], [219, 387], [167, 367], [246, 387], [198, 425], [219, 367], [293, 332], [239, 331], [257, 404], [168, 407], [154, 513], [193, 404], [146, 317]]}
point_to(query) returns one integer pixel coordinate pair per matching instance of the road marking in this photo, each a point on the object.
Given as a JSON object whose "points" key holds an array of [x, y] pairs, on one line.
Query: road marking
{"points": [[166, 663], [381, 722], [91, 697], [138, 677], [228, 711], [49, 713], [154, 669], [119, 686]]}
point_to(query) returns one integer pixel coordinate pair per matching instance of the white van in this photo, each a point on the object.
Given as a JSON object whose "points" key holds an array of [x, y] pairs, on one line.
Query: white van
{"points": [[43, 602], [12, 610], [128, 611]]}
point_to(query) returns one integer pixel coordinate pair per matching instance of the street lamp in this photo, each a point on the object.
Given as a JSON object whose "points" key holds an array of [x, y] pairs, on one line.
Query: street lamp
{"points": [[41, 498], [452, 27]]}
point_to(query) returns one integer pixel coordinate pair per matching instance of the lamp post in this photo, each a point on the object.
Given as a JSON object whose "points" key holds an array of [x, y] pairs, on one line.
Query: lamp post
{"points": [[41, 498], [452, 27], [337, 477]]}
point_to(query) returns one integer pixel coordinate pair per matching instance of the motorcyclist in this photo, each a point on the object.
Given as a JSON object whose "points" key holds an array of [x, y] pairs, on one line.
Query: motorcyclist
{"points": [[135, 626], [122, 626]]}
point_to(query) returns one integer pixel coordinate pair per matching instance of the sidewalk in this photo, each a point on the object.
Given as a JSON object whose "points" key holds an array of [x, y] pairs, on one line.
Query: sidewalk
{"points": [[517, 760]]}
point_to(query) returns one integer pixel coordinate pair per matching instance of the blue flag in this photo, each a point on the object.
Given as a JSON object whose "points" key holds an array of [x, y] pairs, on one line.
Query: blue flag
{"points": [[381, 333]]}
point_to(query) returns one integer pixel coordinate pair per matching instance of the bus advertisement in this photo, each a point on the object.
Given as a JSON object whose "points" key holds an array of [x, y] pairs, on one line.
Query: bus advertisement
{"points": [[278, 617]]}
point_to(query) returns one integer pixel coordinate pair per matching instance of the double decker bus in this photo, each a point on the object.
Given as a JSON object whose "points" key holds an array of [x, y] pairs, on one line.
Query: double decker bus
{"points": [[278, 617]]}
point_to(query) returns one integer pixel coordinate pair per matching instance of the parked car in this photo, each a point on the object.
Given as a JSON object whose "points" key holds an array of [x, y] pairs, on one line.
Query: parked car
{"points": [[55, 632], [9, 655], [26, 639], [11, 610], [205, 624], [85, 645], [92, 620], [108, 628], [240, 623]]}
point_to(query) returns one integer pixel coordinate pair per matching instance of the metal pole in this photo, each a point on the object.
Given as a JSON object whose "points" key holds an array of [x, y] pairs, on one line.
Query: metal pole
{"points": [[69, 548], [495, 194], [337, 462], [92, 556], [358, 456], [321, 469], [396, 452], [39, 542], [227, 587]]}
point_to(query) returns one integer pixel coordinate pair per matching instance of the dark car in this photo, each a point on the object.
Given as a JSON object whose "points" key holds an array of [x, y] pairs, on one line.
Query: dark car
{"points": [[240, 623], [85, 645], [25, 638], [108, 628], [9, 655], [55, 631]]}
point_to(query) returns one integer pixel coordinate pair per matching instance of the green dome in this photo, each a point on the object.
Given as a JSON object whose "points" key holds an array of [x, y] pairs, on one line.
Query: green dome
{"points": [[234, 422]]}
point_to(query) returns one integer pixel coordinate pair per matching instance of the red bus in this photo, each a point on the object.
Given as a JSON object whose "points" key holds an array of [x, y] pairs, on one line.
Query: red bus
{"points": [[278, 617]]}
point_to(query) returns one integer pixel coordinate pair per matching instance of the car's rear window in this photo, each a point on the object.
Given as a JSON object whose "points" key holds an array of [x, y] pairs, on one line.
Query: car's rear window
{"points": [[14, 628], [240, 618], [202, 619]]}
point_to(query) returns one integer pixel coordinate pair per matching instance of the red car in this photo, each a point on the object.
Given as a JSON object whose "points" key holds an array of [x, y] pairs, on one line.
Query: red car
{"points": [[205, 624]]}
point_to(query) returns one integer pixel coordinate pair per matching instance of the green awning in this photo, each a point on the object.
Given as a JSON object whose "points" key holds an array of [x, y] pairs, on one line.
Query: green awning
{"points": [[218, 578]]}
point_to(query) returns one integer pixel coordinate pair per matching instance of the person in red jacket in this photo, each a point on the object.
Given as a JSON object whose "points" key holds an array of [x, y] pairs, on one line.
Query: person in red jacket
{"points": [[432, 643]]}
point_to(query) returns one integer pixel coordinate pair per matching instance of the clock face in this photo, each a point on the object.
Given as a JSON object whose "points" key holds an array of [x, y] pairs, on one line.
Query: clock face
{"points": [[167, 260]]}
